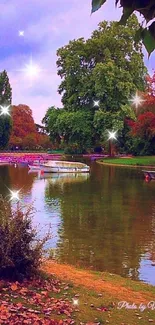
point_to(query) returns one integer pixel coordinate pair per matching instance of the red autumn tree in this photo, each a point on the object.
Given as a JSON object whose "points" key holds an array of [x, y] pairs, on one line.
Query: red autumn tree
{"points": [[24, 132], [144, 126], [43, 140], [23, 129], [149, 96]]}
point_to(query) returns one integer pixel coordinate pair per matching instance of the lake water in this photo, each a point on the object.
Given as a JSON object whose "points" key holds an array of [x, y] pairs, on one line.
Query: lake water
{"points": [[103, 221]]}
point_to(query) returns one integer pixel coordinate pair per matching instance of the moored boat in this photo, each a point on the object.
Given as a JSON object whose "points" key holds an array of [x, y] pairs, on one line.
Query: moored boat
{"points": [[64, 167], [59, 178], [36, 164], [34, 167], [149, 174]]}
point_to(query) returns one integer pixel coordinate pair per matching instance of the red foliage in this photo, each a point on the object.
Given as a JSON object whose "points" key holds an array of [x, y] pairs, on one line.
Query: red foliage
{"points": [[24, 133], [149, 97], [23, 128], [144, 126], [43, 140]]}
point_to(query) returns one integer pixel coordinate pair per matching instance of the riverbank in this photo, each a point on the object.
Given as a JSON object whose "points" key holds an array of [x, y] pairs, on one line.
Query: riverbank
{"points": [[132, 161], [63, 294], [99, 295]]}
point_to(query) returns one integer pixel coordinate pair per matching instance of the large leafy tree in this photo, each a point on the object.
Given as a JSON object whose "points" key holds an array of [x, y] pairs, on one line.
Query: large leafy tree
{"points": [[50, 122], [107, 67], [146, 8], [5, 100], [70, 127]]}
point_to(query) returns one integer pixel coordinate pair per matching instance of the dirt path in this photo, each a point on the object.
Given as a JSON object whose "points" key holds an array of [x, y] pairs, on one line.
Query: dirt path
{"points": [[89, 280]]}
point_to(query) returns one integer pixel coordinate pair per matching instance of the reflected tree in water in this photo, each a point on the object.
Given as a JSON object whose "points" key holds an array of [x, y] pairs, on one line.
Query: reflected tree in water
{"points": [[20, 179], [5, 180], [105, 223]]}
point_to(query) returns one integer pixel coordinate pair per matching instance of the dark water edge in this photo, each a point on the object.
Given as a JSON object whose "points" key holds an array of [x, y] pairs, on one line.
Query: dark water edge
{"points": [[103, 221]]}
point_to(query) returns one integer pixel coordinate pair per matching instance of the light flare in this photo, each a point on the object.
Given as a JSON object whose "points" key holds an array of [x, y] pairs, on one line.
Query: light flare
{"points": [[21, 33], [31, 70], [4, 110], [137, 100], [112, 135], [75, 302], [96, 102], [14, 195]]}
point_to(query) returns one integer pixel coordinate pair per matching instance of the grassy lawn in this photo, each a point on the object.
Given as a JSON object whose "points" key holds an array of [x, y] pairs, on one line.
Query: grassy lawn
{"points": [[134, 161]]}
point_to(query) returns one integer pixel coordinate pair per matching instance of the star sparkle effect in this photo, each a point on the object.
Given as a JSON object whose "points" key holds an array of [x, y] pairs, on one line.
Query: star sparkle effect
{"points": [[21, 33], [112, 135], [96, 102], [14, 195], [31, 70], [75, 302], [137, 100], [4, 110]]}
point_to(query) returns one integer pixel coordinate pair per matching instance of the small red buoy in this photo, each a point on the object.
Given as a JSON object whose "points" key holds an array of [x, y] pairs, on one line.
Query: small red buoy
{"points": [[147, 178]]}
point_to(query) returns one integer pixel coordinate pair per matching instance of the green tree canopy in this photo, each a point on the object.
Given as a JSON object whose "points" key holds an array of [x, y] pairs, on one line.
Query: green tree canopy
{"points": [[72, 127], [146, 8], [86, 66], [109, 68]]}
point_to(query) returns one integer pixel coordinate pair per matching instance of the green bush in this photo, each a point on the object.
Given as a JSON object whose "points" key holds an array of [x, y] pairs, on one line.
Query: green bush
{"points": [[74, 149], [21, 250], [141, 147]]}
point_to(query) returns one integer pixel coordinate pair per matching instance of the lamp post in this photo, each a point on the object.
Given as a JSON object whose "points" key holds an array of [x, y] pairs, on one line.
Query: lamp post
{"points": [[112, 135], [110, 148]]}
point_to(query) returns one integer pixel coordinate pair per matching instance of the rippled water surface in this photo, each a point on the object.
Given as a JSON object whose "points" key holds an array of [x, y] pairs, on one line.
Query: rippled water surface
{"points": [[103, 221]]}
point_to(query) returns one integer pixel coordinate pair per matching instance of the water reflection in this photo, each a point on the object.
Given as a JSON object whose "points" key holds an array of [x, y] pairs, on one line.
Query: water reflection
{"points": [[19, 178], [4, 180], [104, 221]]}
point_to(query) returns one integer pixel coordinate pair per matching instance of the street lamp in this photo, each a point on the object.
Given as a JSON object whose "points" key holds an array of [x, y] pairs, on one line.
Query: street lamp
{"points": [[112, 136]]}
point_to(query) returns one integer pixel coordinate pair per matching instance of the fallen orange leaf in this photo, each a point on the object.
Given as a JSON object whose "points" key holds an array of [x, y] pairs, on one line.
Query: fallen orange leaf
{"points": [[14, 287]]}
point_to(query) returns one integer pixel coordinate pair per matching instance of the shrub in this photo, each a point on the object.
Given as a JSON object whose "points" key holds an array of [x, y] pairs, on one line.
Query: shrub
{"points": [[21, 250], [74, 149]]}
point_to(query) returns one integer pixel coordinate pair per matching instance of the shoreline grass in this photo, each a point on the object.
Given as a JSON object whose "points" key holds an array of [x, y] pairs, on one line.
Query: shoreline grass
{"points": [[132, 162]]}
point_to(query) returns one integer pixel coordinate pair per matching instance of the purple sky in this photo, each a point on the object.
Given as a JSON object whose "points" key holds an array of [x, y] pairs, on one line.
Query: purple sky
{"points": [[47, 25]]}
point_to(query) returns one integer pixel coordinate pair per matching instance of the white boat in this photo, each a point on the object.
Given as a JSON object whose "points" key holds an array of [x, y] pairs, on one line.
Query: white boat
{"points": [[34, 167], [53, 166], [59, 178]]}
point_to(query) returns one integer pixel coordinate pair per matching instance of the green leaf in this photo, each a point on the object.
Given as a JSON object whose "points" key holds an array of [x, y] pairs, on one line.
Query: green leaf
{"points": [[148, 41], [126, 14], [152, 29], [96, 4], [138, 35]]}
